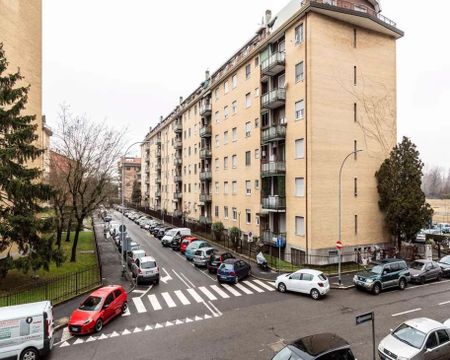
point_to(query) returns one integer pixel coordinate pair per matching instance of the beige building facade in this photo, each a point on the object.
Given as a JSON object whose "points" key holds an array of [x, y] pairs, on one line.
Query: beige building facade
{"points": [[264, 137], [129, 170]]}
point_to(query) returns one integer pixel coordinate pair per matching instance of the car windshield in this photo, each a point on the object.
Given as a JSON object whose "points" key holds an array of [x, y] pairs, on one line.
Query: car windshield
{"points": [[227, 267], [409, 335], [377, 269], [92, 303], [148, 265], [416, 265], [445, 260]]}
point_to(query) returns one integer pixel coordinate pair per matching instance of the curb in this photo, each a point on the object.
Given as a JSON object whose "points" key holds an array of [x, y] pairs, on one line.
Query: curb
{"points": [[261, 278], [61, 323], [341, 287]]}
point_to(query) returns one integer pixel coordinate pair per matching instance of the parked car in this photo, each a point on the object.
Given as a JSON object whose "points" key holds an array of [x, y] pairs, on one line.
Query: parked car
{"points": [[145, 269], [26, 331], [193, 247], [185, 243], [320, 346], [385, 274], [173, 233], [201, 256], [162, 232], [444, 263], [233, 270], [129, 246], [415, 339], [216, 259], [421, 237], [425, 270], [306, 281], [155, 229], [98, 309], [133, 255]]}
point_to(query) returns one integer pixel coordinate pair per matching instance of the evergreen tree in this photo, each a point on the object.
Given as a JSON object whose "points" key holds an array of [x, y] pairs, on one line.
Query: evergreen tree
{"points": [[401, 197], [136, 194], [20, 189]]}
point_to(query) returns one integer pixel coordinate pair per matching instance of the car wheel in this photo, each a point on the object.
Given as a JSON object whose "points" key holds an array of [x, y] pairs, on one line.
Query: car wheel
{"points": [[29, 354], [99, 325], [156, 282], [438, 278], [281, 287], [402, 284], [124, 307], [315, 294], [236, 279], [376, 289], [422, 280]]}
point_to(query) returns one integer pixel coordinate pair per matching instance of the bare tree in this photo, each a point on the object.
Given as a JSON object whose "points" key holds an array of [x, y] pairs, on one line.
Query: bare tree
{"points": [[433, 182], [93, 150]]}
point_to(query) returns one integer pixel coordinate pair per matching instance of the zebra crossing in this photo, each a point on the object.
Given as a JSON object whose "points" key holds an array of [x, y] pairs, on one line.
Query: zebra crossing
{"points": [[201, 294]]}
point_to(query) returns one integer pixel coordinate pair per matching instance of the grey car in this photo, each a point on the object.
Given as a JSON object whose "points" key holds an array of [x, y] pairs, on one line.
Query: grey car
{"points": [[425, 270], [201, 256], [145, 269]]}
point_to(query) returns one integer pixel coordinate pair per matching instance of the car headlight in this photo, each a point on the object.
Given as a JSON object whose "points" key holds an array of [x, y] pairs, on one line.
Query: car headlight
{"points": [[369, 281], [415, 275]]}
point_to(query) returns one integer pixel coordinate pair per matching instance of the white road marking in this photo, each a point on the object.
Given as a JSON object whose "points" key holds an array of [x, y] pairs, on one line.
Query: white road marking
{"points": [[139, 291], [184, 282], [204, 273], [166, 278], [78, 341], [158, 326], [253, 286], [208, 293], [219, 313], [244, 289], [126, 332], [188, 320], [189, 281], [148, 327], [137, 330], [168, 299], [114, 334], [220, 291], [178, 322], [195, 295], [102, 337], [198, 318], [207, 316], [406, 312], [231, 290], [139, 305], [444, 303], [64, 344], [264, 285], [429, 284], [145, 292], [184, 300], [155, 303], [91, 338], [65, 334], [127, 312]]}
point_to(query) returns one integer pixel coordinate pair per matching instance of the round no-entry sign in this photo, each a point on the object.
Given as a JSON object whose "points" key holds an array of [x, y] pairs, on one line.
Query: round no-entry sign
{"points": [[339, 245], [122, 228]]}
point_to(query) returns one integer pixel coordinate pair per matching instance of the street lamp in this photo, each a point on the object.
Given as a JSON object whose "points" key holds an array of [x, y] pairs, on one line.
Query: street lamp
{"points": [[340, 212], [122, 233]]}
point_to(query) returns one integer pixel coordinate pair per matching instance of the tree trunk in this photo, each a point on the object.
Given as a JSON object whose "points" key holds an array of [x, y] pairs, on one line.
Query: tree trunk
{"points": [[59, 229], [69, 225], [73, 257]]}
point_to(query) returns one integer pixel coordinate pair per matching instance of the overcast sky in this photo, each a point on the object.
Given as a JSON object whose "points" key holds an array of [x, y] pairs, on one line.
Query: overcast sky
{"points": [[129, 61]]}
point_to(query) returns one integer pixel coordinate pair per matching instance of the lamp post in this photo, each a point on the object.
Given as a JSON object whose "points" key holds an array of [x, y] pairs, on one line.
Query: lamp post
{"points": [[340, 213], [122, 233]]}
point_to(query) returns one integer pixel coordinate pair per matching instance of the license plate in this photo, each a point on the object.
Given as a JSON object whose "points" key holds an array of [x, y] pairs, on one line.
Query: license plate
{"points": [[74, 329]]}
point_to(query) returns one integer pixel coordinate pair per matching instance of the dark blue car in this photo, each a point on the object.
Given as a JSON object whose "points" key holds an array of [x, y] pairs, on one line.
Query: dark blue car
{"points": [[233, 270]]}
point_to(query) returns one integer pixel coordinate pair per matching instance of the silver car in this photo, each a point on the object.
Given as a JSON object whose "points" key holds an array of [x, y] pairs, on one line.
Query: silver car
{"points": [[201, 256], [425, 270], [417, 339], [145, 269]]}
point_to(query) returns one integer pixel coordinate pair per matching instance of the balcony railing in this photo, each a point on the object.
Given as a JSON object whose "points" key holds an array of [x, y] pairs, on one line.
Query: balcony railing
{"points": [[205, 198], [205, 131], [178, 127], [177, 195], [274, 64], [205, 220], [205, 109], [178, 144], [205, 153], [158, 194], [158, 141], [274, 202], [178, 178], [177, 161], [270, 238], [273, 133], [272, 168], [273, 99], [205, 175]]}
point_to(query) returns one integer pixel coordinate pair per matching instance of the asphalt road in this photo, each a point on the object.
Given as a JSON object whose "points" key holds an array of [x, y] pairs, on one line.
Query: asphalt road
{"points": [[190, 316]]}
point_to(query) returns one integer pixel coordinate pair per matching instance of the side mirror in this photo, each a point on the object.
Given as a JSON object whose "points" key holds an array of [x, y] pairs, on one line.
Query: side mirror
{"points": [[105, 306]]}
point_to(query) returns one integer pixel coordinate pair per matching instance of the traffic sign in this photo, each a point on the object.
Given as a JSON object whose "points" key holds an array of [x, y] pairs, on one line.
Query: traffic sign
{"points": [[339, 245], [280, 241], [122, 228], [364, 318], [250, 237]]}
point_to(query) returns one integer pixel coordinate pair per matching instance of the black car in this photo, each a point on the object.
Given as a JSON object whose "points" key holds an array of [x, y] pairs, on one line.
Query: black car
{"points": [[317, 347], [216, 259], [155, 230], [233, 270], [444, 263], [175, 244]]}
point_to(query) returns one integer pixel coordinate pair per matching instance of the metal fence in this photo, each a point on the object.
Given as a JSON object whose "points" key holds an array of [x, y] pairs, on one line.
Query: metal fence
{"points": [[56, 290]]}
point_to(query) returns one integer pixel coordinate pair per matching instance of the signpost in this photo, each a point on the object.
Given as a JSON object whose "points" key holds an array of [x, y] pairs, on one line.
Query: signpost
{"points": [[361, 319], [279, 245]]}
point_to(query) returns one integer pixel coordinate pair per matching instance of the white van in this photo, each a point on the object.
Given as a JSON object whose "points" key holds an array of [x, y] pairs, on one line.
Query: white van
{"points": [[26, 331], [170, 235]]}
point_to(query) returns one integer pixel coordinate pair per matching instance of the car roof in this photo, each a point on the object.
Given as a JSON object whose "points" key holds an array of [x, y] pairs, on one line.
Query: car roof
{"points": [[424, 324], [207, 248], [137, 251], [147, 258], [231, 261], [194, 238], [309, 271], [388, 261], [319, 343], [423, 261], [105, 290], [24, 310]]}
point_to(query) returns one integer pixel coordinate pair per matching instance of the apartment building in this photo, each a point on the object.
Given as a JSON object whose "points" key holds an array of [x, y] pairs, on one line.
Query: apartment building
{"points": [[129, 171], [274, 124]]}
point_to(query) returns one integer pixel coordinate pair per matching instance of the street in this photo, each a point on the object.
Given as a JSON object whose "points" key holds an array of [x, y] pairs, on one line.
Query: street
{"points": [[189, 315]]}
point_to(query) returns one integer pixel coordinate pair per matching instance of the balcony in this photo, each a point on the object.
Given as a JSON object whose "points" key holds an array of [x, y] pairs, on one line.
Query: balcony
{"points": [[177, 195], [177, 161], [177, 178], [205, 154], [158, 166], [274, 64], [205, 198], [158, 141], [273, 133], [273, 168], [205, 109], [205, 220], [270, 238], [206, 131], [273, 99], [178, 127], [205, 176], [158, 194], [178, 144], [274, 202]]}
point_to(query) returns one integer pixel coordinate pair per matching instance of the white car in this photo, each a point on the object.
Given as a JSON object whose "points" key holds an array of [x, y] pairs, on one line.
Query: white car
{"points": [[417, 339], [305, 281]]}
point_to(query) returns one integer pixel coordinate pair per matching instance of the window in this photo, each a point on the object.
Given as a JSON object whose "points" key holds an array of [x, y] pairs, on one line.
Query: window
{"points": [[442, 336], [234, 214], [195, 169], [299, 148], [257, 184], [189, 187], [225, 163], [225, 212], [216, 116], [248, 216], [355, 111], [184, 169], [257, 220], [248, 70], [299, 34], [355, 148], [225, 137], [354, 38], [257, 92], [234, 107], [248, 158], [354, 75], [356, 224], [225, 112], [234, 187], [216, 138], [234, 161], [248, 187], [299, 72], [300, 226], [299, 187], [189, 132], [299, 109], [109, 299], [225, 87], [234, 81], [216, 211], [248, 100], [189, 169], [216, 185], [256, 123], [431, 341], [216, 161], [225, 187], [189, 150], [355, 186], [234, 134], [256, 153], [248, 129]]}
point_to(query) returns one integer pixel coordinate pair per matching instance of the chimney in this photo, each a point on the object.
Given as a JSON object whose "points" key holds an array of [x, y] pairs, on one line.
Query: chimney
{"points": [[207, 75], [181, 99], [161, 118], [268, 16]]}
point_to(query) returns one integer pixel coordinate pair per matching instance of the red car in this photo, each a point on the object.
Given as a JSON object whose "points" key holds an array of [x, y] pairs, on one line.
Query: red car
{"points": [[185, 243], [98, 309]]}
